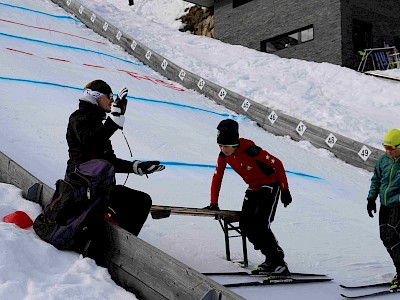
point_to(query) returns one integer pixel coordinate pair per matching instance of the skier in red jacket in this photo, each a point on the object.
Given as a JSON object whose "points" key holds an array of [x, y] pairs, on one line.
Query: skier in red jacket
{"points": [[266, 177]]}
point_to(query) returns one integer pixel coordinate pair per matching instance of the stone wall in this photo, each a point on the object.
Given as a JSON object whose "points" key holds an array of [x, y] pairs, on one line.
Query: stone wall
{"points": [[199, 21]]}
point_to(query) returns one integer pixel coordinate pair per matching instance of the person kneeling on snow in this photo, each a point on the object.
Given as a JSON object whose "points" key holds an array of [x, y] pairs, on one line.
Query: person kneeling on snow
{"points": [[88, 137], [386, 183], [266, 178]]}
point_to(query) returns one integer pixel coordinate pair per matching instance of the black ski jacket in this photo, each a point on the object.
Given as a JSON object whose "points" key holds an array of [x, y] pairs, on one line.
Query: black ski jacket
{"points": [[89, 138]]}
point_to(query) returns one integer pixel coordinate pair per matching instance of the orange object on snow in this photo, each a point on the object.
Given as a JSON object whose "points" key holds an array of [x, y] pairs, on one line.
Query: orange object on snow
{"points": [[19, 218]]}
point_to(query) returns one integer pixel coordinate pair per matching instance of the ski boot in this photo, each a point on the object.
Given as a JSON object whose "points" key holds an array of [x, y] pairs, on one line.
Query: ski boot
{"points": [[273, 269], [394, 284]]}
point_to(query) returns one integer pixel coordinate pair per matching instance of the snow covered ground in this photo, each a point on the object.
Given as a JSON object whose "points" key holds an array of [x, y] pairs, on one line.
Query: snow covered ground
{"points": [[45, 60]]}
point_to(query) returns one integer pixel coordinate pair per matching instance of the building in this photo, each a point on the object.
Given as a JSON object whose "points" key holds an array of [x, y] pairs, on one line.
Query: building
{"points": [[332, 31]]}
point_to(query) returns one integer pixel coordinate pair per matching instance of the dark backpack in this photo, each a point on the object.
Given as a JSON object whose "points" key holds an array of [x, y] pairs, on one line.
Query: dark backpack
{"points": [[76, 209]]}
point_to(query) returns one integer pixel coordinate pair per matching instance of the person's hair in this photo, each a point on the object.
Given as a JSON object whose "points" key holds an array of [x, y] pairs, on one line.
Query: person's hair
{"points": [[99, 86]]}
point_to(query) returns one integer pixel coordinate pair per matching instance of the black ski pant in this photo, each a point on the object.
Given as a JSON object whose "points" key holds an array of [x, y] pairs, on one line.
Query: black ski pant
{"points": [[389, 228], [258, 212], [130, 208]]}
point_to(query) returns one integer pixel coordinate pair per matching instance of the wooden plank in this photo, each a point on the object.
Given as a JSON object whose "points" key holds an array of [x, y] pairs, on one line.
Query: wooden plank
{"points": [[160, 274], [196, 211], [380, 75]]}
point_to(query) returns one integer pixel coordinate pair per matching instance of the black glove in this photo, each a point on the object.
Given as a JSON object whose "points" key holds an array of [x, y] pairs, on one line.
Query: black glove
{"points": [[147, 167], [212, 207], [118, 108], [286, 198], [371, 207]]}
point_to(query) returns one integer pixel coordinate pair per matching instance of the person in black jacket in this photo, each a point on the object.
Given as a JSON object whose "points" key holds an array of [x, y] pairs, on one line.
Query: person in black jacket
{"points": [[88, 137]]}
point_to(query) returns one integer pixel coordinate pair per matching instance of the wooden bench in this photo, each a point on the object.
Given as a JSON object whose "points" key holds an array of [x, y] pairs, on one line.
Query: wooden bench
{"points": [[226, 219]]}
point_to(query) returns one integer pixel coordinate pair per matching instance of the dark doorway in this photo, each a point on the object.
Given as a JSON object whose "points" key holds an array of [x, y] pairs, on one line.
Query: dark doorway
{"points": [[362, 35]]}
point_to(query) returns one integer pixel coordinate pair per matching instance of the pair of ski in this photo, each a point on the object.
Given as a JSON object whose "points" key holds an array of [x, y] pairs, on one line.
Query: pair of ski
{"points": [[272, 279], [367, 295]]}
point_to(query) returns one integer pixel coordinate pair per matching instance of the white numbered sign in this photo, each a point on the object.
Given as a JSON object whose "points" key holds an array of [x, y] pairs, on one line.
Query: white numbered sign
{"points": [[164, 64], [364, 153], [105, 26], [148, 54], [119, 34], [246, 105], [93, 18], [331, 140], [69, 2], [133, 45], [182, 74], [201, 83], [301, 128], [272, 117], [222, 94], [81, 8]]}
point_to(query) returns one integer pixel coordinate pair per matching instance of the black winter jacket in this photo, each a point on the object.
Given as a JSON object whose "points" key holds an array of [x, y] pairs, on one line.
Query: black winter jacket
{"points": [[88, 138]]}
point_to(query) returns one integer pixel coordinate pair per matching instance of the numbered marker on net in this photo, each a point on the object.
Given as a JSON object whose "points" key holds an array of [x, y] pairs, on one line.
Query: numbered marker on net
{"points": [[246, 105], [133, 45], [69, 2], [331, 140], [364, 153], [119, 35], [105, 26], [272, 117], [201, 83], [81, 8], [222, 94], [164, 64], [182, 75], [301, 128], [148, 54], [93, 18]]}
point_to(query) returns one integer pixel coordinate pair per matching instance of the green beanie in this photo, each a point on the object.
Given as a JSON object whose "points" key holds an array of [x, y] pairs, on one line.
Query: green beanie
{"points": [[392, 138]]}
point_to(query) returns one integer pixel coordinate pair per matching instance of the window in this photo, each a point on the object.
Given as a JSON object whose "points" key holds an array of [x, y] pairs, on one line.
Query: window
{"points": [[237, 3], [289, 39]]}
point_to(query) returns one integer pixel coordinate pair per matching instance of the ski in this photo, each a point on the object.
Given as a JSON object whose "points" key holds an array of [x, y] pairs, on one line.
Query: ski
{"points": [[281, 280], [259, 273], [381, 293], [365, 286]]}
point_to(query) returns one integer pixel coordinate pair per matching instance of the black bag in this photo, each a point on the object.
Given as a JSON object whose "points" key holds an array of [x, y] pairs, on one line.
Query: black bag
{"points": [[77, 206]]}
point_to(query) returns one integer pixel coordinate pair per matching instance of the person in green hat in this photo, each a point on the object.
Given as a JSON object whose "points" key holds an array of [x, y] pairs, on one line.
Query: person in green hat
{"points": [[386, 183]]}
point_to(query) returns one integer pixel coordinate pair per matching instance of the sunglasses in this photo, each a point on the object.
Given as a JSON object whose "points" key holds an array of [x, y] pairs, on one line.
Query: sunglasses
{"points": [[390, 148]]}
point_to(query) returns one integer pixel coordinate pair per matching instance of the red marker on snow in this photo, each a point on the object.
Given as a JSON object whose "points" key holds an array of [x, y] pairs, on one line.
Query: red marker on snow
{"points": [[19, 218]]}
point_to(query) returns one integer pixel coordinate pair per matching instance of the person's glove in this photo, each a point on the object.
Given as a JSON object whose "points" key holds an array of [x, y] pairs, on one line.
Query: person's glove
{"points": [[212, 207], [118, 108], [286, 198], [147, 167], [371, 207]]}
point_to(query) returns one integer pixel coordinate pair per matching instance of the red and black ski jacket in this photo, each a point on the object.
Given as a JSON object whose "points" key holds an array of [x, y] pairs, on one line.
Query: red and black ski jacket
{"points": [[256, 166]]}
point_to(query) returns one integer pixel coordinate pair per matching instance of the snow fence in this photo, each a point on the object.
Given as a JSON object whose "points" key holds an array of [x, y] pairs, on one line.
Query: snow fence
{"points": [[273, 121]]}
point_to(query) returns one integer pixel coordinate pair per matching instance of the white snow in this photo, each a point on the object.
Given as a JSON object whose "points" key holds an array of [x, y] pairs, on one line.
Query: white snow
{"points": [[42, 72]]}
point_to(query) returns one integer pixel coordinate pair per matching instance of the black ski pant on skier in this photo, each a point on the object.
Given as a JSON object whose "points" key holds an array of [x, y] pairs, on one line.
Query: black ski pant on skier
{"points": [[258, 212], [389, 227], [129, 208]]}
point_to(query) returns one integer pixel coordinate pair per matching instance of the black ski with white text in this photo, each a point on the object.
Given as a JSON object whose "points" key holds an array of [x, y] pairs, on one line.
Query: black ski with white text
{"points": [[256, 273], [274, 280], [367, 286]]}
